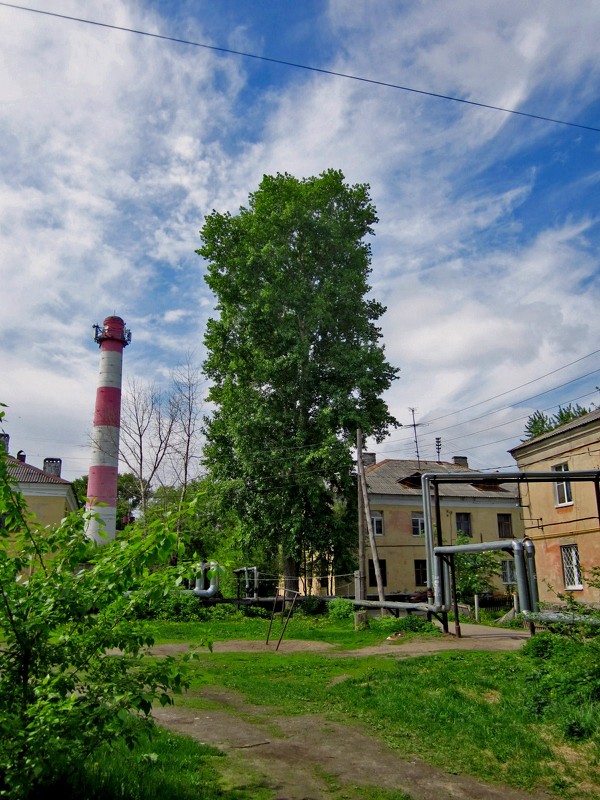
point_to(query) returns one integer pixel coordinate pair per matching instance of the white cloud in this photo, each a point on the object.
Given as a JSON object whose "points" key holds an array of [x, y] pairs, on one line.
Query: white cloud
{"points": [[116, 146]]}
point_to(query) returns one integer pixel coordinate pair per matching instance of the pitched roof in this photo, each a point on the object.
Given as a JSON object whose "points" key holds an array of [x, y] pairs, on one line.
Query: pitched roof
{"points": [[402, 477], [578, 422], [25, 473]]}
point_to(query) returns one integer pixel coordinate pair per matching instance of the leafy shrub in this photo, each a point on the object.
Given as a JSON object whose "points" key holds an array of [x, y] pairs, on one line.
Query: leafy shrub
{"points": [[175, 606], [340, 609], [411, 623], [62, 694], [311, 605], [565, 685], [223, 611], [256, 611], [541, 646]]}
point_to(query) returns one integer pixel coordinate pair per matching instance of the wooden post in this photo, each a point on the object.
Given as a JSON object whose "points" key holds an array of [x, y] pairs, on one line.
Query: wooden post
{"points": [[367, 516], [362, 579]]}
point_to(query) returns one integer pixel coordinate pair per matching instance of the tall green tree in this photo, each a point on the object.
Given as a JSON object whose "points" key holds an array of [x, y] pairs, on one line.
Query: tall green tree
{"points": [[294, 357]]}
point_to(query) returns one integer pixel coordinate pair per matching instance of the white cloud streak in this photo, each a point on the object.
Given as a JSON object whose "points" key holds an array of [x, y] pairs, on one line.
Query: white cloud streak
{"points": [[115, 146]]}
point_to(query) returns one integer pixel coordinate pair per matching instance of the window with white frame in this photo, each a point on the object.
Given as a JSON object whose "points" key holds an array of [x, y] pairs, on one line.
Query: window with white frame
{"points": [[571, 566], [377, 522], [418, 524], [564, 496], [509, 576]]}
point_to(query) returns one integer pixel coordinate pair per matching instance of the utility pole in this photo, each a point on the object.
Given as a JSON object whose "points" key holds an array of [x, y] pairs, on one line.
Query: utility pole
{"points": [[367, 515], [438, 447], [362, 579]]}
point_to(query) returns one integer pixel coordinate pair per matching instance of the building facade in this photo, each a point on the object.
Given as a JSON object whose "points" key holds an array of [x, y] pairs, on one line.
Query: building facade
{"points": [[563, 518], [49, 497], [484, 513]]}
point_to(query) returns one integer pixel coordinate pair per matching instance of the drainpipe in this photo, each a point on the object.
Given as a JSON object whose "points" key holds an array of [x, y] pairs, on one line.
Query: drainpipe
{"points": [[214, 581]]}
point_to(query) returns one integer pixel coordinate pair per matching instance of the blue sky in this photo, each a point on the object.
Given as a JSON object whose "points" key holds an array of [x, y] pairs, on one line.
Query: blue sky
{"points": [[115, 146]]}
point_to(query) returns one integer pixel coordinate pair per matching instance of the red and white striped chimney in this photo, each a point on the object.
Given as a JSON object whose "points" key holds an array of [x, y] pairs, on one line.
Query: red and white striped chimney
{"points": [[112, 337]]}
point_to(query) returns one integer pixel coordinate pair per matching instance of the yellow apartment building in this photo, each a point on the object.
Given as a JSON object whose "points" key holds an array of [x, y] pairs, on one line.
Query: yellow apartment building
{"points": [[563, 518], [49, 497], [485, 513]]}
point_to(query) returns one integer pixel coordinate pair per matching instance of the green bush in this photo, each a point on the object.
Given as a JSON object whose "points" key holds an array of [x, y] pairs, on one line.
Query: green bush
{"points": [[311, 605], [411, 623], [256, 611], [223, 611], [340, 609], [565, 686], [61, 692]]}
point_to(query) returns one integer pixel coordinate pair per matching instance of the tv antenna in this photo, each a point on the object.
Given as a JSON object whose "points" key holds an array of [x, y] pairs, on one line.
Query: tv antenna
{"points": [[414, 426]]}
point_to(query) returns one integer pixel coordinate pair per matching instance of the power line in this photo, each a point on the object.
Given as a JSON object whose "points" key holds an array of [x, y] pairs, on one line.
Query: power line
{"points": [[294, 65], [504, 408], [515, 388], [483, 430]]}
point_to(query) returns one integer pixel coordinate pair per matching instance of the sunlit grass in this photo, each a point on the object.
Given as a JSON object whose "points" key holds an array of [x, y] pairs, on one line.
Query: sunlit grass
{"points": [[163, 767]]}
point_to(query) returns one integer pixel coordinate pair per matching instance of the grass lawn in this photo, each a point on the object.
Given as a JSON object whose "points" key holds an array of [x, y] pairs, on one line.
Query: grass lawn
{"points": [[466, 712], [307, 628]]}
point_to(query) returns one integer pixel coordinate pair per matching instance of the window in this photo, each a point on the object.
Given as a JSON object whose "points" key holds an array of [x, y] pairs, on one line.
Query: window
{"points": [[571, 567], [418, 524], [505, 530], [420, 572], [463, 523], [563, 489], [509, 576], [377, 523], [383, 570]]}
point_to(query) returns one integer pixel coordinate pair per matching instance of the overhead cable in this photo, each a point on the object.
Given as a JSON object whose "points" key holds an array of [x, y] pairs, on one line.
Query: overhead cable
{"points": [[320, 70]]}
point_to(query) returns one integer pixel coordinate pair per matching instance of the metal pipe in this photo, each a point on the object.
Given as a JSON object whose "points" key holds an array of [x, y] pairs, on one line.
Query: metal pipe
{"points": [[521, 574], [433, 580], [532, 574], [476, 547], [199, 590]]}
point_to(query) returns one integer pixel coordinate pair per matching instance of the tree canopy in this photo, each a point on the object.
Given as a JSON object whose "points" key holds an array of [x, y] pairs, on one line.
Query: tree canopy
{"points": [[294, 357], [540, 423]]}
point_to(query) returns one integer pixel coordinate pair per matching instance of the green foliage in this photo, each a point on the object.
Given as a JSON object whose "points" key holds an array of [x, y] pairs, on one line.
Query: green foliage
{"points": [[340, 608], [256, 611], [72, 669], [160, 767], [474, 571], [312, 605], [411, 623], [295, 361], [540, 423], [565, 687], [566, 683]]}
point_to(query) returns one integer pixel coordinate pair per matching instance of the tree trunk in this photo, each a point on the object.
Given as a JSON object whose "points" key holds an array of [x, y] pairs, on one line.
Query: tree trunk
{"points": [[291, 571]]}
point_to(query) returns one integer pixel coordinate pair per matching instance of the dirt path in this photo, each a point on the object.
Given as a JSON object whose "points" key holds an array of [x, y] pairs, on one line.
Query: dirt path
{"points": [[309, 757]]}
